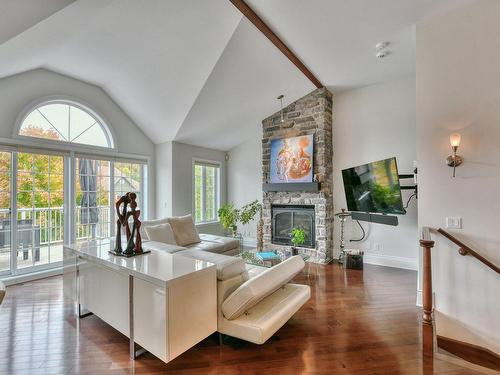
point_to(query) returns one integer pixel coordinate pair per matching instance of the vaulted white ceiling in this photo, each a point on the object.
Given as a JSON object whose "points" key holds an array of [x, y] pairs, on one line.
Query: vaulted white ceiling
{"points": [[18, 15], [196, 71]]}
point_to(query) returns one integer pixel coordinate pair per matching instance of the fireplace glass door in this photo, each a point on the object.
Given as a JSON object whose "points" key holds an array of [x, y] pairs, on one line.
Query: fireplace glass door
{"points": [[286, 218]]}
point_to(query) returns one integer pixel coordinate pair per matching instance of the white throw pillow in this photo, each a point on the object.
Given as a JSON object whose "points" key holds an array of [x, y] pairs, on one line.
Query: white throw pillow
{"points": [[184, 230], [150, 223], [161, 233]]}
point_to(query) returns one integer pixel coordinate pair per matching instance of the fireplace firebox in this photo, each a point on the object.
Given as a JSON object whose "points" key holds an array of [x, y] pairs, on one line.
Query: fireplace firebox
{"points": [[287, 217]]}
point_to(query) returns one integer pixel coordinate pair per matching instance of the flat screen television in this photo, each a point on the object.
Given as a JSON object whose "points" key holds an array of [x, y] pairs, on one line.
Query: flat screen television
{"points": [[292, 159], [374, 188]]}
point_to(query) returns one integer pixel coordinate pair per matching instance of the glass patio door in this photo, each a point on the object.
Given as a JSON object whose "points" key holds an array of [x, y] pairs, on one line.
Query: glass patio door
{"points": [[93, 193], [5, 211], [39, 211]]}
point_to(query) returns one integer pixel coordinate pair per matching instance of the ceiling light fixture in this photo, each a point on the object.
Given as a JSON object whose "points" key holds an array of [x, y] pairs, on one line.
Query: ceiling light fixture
{"points": [[382, 51], [280, 98]]}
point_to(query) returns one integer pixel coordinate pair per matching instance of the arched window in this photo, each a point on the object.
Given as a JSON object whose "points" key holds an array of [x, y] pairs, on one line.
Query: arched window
{"points": [[67, 122]]}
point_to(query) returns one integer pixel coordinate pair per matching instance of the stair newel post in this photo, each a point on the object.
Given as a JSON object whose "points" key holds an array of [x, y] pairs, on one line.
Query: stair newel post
{"points": [[427, 245]]}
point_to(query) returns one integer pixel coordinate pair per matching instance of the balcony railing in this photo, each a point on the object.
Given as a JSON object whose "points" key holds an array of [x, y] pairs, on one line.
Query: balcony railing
{"points": [[44, 225]]}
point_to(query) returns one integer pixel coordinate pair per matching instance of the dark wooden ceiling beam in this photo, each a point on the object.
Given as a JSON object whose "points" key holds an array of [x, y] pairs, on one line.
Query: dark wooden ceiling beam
{"points": [[266, 30]]}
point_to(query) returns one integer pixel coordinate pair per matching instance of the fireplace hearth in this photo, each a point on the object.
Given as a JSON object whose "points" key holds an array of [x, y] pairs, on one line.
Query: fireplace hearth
{"points": [[287, 217]]}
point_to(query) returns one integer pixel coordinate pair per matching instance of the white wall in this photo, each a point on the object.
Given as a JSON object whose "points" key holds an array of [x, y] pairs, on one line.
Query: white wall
{"points": [[458, 90], [370, 123], [18, 91], [163, 156], [373, 123], [244, 178], [175, 186]]}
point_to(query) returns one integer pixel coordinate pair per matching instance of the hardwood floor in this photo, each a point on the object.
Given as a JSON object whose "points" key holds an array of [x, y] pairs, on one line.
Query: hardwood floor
{"points": [[357, 322]]}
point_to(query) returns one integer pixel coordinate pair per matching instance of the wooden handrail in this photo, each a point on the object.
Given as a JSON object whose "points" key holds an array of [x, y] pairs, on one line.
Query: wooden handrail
{"points": [[428, 336], [427, 244], [466, 250]]}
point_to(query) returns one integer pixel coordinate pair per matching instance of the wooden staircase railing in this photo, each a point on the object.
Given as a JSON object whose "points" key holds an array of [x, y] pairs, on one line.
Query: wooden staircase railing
{"points": [[430, 340], [427, 244], [466, 250]]}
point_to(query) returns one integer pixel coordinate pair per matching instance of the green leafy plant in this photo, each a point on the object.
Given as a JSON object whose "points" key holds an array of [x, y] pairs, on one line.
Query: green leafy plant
{"points": [[248, 211], [229, 216], [298, 236]]}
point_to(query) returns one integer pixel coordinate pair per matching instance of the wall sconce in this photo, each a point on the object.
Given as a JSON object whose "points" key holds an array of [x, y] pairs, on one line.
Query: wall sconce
{"points": [[454, 160]]}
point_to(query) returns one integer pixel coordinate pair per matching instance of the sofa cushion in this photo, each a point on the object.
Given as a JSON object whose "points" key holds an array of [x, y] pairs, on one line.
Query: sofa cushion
{"points": [[160, 246], [184, 230], [227, 266], [211, 247], [161, 233], [148, 223], [254, 270], [262, 321], [259, 287], [228, 242]]}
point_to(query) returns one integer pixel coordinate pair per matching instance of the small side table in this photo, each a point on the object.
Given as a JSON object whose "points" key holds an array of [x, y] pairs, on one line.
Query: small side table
{"points": [[238, 237]]}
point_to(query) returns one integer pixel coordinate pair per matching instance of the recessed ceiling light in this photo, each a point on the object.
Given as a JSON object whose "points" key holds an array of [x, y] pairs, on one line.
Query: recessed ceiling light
{"points": [[381, 45]]}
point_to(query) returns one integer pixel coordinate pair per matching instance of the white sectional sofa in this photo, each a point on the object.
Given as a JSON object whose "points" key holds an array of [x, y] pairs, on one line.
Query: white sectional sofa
{"points": [[253, 302], [204, 242]]}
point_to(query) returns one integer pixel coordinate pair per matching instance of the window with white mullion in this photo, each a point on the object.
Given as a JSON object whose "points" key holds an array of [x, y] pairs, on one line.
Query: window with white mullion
{"points": [[66, 121], [203, 193], [217, 194], [206, 192]]}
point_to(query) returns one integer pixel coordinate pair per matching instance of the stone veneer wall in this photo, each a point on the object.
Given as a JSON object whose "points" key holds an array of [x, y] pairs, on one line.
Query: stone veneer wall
{"points": [[311, 114]]}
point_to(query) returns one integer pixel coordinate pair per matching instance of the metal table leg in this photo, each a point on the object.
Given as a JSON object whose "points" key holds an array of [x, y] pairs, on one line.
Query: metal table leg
{"points": [[134, 353], [79, 306]]}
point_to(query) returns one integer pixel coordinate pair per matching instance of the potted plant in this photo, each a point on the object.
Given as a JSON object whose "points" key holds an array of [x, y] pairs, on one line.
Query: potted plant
{"points": [[298, 238], [229, 216], [248, 212]]}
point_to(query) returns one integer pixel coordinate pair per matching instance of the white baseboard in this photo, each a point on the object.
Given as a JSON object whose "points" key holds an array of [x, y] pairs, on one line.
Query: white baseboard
{"points": [[391, 261], [11, 280]]}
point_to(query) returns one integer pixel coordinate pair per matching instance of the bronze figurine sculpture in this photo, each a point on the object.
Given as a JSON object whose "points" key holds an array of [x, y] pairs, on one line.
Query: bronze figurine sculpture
{"points": [[123, 213]]}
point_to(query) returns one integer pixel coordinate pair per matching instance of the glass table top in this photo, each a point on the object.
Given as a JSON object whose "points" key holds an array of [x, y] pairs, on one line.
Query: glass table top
{"points": [[250, 257]]}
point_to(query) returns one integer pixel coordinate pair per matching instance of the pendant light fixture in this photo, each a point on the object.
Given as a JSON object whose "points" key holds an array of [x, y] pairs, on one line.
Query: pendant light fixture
{"points": [[280, 98]]}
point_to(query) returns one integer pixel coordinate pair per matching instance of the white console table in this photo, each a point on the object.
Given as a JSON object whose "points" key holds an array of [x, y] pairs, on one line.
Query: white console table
{"points": [[165, 303]]}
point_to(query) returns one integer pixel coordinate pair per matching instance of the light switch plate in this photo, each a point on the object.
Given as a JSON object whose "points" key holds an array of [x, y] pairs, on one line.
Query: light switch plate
{"points": [[454, 223]]}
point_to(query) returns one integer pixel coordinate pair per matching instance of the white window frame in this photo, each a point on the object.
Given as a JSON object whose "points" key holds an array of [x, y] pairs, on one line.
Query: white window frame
{"points": [[70, 151], [16, 272], [218, 182], [34, 105], [69, 191], [144, 186]]}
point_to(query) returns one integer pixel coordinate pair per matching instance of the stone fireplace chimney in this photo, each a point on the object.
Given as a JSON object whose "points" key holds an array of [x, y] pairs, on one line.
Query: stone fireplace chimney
{"points": [[311, 114]]}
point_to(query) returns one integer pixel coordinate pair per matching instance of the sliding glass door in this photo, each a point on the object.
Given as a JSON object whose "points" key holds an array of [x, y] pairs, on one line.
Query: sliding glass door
{"points": [[40, 210], [35, 188], [98, 184], [93, 199], [5, 211]]}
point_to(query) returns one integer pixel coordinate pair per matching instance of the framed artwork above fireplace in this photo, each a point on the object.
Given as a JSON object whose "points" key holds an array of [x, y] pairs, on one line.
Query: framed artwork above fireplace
{"points": [[292, 160]]}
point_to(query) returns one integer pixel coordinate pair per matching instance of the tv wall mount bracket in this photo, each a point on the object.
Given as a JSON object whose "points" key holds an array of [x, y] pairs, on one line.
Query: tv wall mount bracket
{"points": [[408, 187]]}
